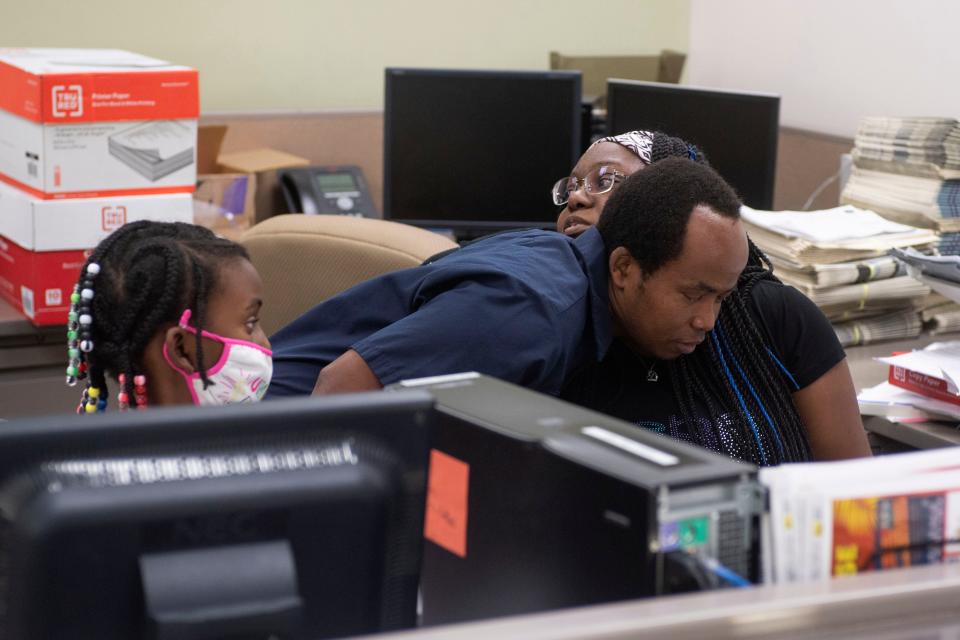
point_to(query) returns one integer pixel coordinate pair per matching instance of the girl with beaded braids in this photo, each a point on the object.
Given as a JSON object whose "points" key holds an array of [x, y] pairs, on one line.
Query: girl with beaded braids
{"points": [[170, 311]]}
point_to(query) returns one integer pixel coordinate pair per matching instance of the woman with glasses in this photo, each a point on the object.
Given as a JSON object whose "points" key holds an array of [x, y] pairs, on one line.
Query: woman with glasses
{"points": [[604, 165], [772, 371]]}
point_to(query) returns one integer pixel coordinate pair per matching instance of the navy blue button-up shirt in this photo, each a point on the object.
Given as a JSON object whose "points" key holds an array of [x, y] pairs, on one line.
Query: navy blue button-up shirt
{"points": [[528, 307]]}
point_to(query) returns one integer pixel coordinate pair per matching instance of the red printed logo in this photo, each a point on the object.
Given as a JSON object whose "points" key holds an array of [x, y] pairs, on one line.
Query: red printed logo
{"points": [[53, 297], [899, 373], [113, 218], [67, 101]]}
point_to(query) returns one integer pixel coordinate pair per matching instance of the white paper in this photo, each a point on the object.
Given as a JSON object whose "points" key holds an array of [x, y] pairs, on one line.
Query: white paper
{"points": [[829, 226]]}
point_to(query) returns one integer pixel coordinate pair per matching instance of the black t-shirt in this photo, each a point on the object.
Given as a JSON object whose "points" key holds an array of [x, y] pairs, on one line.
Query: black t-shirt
{"points": [[794, 329]]}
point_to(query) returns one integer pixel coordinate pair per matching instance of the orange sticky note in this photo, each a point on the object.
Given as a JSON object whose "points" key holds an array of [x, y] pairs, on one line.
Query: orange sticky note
{"points": [[447, 488]]}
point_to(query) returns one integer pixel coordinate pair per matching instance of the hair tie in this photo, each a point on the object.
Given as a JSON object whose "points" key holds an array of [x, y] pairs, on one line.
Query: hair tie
{"points": [[691, 152]]}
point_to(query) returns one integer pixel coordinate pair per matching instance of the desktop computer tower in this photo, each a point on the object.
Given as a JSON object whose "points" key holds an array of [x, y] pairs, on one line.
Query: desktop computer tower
{"points": [[537, 504]]}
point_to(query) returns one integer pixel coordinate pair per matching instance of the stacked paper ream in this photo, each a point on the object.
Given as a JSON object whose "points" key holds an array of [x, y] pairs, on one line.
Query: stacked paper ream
{"points": [[908, 170], [923, 381], [89, 140], [832, 519], [837, 258]]}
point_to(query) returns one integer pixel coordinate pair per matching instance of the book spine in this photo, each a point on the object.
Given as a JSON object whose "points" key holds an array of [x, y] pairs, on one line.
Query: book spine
{"points": [[928, 386]]}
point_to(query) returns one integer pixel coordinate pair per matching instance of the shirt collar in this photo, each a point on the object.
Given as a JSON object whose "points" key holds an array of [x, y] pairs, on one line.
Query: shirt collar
{"points": [[593, 255]]}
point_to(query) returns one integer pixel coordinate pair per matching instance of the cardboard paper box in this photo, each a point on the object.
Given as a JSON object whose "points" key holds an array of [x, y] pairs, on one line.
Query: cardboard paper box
{"points": [[91, 122], [39, 283], [81, 223], [264, 164], [43, 243], [222, 202]]}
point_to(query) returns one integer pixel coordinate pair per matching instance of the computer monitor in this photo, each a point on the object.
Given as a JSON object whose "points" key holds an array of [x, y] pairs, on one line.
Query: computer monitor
{"points": [[477, 151], [292, 519], [736, 129]]}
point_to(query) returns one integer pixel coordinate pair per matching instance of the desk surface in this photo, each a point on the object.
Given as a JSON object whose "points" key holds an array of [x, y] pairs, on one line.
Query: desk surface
{"points": [[903, 604], [32, 363]]}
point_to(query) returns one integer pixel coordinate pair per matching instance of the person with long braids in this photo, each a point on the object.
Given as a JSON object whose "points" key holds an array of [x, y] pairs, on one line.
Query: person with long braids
{"points": [[770, 325], [753, 371], [171, 312]]}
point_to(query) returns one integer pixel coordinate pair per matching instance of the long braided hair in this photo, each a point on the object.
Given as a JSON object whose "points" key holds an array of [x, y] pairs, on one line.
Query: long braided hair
{"points": [[733, 375], [139, 278]]}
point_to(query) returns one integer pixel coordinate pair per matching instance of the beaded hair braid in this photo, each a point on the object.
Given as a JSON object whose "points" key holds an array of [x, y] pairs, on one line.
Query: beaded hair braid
{"points": [[140, 278]]}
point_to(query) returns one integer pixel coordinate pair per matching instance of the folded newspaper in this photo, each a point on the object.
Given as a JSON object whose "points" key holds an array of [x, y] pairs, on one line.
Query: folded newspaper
{"points": [[942, 267], [892, 326], [842, 234], [912, 200], [820, 276]]}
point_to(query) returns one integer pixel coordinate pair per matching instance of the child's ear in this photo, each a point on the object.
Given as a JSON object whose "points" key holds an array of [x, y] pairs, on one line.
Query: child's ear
{"points": [[180, 349]]}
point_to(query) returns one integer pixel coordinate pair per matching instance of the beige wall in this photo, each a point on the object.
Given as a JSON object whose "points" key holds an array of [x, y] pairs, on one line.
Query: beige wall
{"points": [[315, 54]]}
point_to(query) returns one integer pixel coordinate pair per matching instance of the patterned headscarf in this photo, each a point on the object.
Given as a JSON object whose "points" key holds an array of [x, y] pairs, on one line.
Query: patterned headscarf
{"points": [[641, 143]]}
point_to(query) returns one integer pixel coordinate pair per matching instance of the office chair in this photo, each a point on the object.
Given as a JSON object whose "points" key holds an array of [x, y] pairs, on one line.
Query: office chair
{"points": [[304, 260]]}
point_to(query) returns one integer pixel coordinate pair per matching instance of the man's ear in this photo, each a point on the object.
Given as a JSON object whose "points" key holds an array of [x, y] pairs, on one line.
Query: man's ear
{"points": [[621, 264], [180, 349]]}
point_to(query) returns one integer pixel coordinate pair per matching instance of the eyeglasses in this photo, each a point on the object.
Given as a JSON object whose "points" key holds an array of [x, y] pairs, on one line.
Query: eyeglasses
{"points": [[598, 181]]}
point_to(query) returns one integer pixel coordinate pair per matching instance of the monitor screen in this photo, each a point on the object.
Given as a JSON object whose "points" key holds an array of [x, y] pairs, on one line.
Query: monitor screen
{"points": [[737, 130], [478, 150], [299, 518]]}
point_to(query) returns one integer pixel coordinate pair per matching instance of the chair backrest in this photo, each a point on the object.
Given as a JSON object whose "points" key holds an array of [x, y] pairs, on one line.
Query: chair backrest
{"points": [[304, 260]]}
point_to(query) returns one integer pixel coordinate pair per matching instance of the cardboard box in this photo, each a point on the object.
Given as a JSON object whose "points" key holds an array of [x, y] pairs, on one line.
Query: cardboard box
{"points": [[264, 164], [81, 223], [38, 283], [222, 202], [90, 122], [43, 243]]}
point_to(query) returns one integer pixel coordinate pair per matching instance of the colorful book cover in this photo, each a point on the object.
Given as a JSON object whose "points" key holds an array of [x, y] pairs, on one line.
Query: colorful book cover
{"points": [[876, 533]]}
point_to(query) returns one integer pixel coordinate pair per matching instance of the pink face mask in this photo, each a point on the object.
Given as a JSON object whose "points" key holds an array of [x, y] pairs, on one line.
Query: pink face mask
{"points": [[242, 374]]}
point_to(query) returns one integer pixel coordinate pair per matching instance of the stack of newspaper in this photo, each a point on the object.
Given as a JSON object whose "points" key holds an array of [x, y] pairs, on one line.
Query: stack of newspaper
{"points": [[831, 519], [908, 170], [838, 258]]}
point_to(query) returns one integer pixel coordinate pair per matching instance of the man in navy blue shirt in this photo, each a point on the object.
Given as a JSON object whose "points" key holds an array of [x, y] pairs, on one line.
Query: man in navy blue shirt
{"points": [[525, 307], [529, 307], [541, 309]]}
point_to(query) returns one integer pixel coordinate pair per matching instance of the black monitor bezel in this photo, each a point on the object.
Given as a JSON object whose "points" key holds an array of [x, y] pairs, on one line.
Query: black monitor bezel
{"points": [[618, 84], [28, 446], [28, 440], [463, 226]]}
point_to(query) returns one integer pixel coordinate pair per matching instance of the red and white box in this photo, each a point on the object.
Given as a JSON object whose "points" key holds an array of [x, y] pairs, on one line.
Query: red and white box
{"points": [[43, 243], [932, 372], [38, 284], [78, 123]]}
